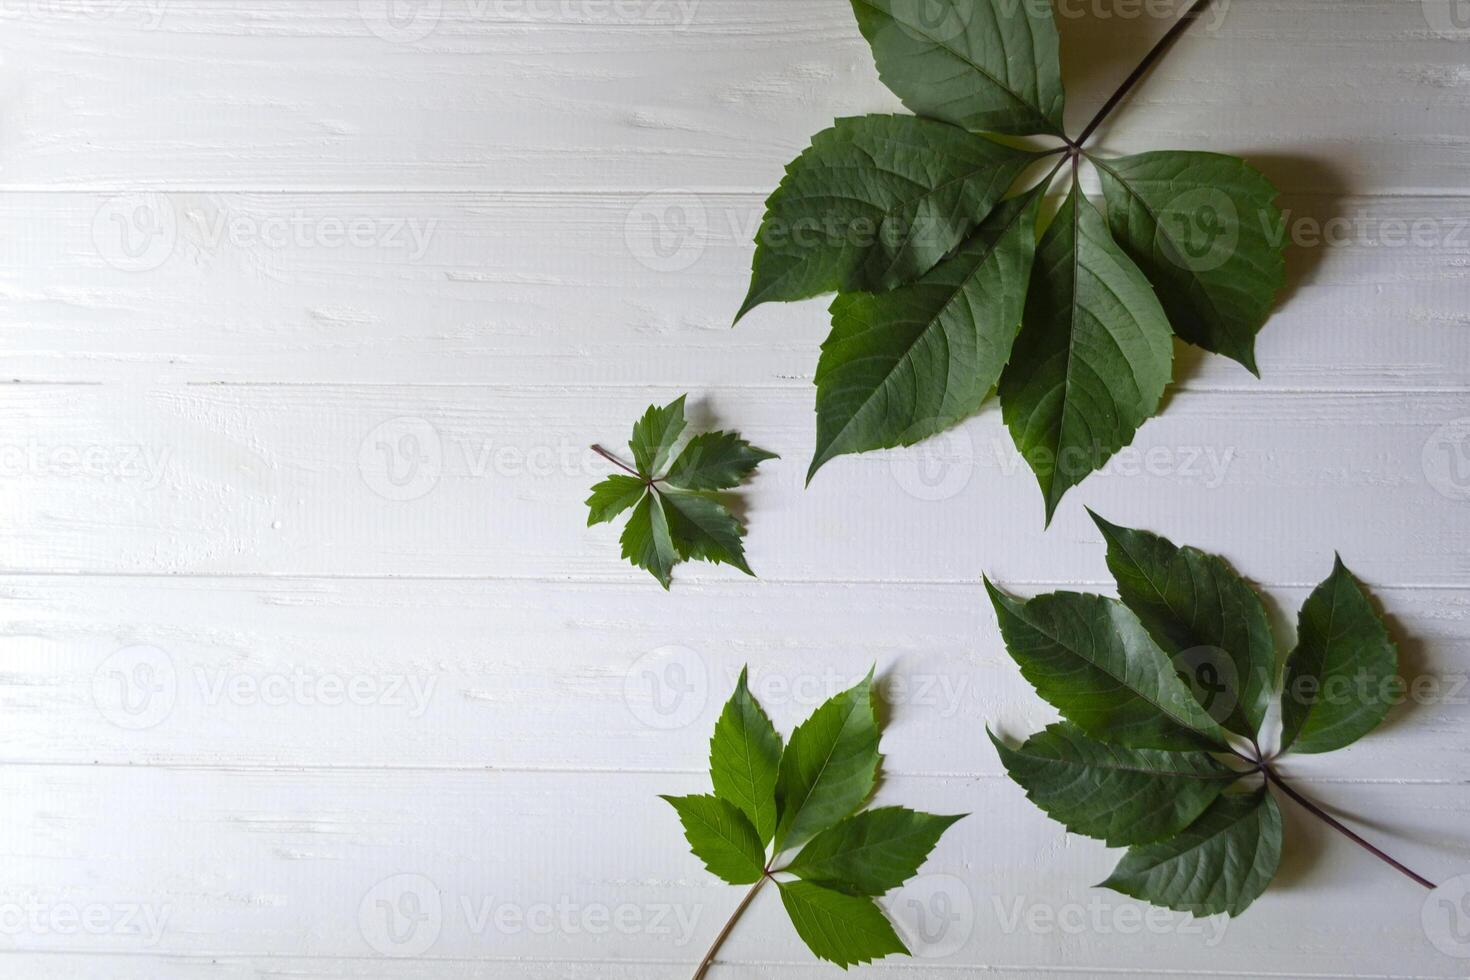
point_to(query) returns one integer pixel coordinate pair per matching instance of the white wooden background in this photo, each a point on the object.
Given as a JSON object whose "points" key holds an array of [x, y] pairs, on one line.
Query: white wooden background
{"points": [[310, 310]]}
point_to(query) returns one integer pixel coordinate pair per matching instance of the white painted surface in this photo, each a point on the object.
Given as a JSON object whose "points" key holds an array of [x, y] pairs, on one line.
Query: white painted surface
{"points": [[235, 532]]}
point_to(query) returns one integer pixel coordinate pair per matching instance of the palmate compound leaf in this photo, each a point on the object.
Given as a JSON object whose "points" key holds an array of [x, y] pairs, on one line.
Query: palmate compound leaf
{"points": [[904, 365], [1204, 616], [991, 65], [721, 837], [1205, 229], [1340, 679], [1093, 357], [875, 202], [1221, 863], [1116, 794], [872, 852], [840, 928], [830, 767], [677, 514], [1091, 659], [744, 758]]}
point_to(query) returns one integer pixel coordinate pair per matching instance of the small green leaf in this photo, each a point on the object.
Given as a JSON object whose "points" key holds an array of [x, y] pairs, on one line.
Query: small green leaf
{"points": [[872, 852], [1340, 679], [1093, 358], [1119, 795], [646, 540], [990, 65], [842, 929], [704, 530], [655, 435], [744, 758], [1206, 617], [715, 461], [1200, 226], [613, 496], [904, 365], [1222, 863], [830, 767], [1091, 659], [875, 202], [721, 837]]}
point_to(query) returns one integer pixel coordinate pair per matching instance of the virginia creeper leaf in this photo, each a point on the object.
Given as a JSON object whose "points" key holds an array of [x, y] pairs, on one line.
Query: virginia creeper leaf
{"points": [[1205, 616], [655, 435], [1116, 794], [744, 758], [904, 365], [839, 928], [647, 542], [830, 766], [989, 65], [1091, 659], [872, 852], [613, 496], [703, 529], [875, 202], [1222, 863], [715, 461], [1093, 357], [1200, 226], [721, 837], [1340, 678]]}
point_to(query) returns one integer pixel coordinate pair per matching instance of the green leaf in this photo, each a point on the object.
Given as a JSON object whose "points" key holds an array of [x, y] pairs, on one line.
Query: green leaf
{"points": [[872, 852], [704, 530], [1203, 615], [1093, 357], [1118, 795], [655, 435], [842, 929], [647, 542], [830, 767], [874, 202], [721, 837], [744, 758], [613, 496], [1091, 659], [989, 65], [1222, 863], [1341, 678], [904, 365], [715, 461], [1200, 225]]}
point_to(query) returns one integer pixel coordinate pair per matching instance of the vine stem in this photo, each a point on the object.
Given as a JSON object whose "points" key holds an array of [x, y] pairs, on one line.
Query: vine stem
{"points": [[615, 461], [709, 958], [1188, 17], [1337, 825]]}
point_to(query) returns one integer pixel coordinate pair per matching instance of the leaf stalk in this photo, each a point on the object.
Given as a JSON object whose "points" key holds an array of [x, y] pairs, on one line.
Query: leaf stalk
{"points": [[709, 957]]}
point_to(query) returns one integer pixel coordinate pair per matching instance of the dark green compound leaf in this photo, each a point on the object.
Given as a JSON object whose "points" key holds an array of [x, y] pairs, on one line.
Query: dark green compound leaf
{"points": [[1091, 659], [613, 496], [875, 202], [647, 542], [1205, 616], [655, 436], [872, 852], [840, 928], [1221, 863], [703, 529], [904, 365], [1093, 358], [744, 759], [715, 461], [1341, 679], [721, 837], [991, 65], [1116, 794], [829, 768], [1205, 229]]}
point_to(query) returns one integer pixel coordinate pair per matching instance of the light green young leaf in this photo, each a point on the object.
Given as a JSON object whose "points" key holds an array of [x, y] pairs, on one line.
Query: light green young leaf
{"points": [[744, 758], [991, 65], [904, 365], [647, 542], [842, 929], [1340, 677], [715, 461], [1091, 659], [1116, 794], [613, 496], [721, 837], [829, 768], [1093, 357], [655, 435], [872, 852], [1206, 617], [1201, 227], [1222, 863], [875, 202]]}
